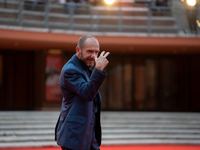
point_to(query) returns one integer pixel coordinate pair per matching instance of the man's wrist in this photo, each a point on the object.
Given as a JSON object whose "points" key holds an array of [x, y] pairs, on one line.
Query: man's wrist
{"points": [[99, 68]]}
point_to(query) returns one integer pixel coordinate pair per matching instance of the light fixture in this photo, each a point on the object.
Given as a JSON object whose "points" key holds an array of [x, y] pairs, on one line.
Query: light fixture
{"points": [[109, 2], [191, 2]]}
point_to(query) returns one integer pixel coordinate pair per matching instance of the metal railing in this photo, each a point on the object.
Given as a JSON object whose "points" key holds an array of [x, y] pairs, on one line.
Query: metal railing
{"points": [[85, 17]]}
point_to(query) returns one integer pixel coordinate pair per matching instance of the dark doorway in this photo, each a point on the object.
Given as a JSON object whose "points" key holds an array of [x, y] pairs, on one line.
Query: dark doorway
{"points": [[17, 80]]}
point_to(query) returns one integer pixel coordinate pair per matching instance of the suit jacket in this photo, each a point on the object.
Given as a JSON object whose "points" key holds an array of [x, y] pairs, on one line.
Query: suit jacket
{"points": [[79, 115]]}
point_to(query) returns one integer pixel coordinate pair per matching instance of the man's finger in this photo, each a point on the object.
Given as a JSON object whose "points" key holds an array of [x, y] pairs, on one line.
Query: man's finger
{"points": [[102, 53], [106, 54]]}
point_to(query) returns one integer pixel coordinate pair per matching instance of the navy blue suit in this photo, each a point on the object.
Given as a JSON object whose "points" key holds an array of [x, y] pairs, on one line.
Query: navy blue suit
{"points": [[80, 114]]}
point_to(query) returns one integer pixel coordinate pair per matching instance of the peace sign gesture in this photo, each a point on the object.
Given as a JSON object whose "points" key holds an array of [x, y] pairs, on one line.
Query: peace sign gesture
{"points": [[101, 61]]}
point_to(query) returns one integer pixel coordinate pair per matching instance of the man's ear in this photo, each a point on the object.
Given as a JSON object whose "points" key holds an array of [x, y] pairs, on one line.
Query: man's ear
{"points": [[78, 51]]}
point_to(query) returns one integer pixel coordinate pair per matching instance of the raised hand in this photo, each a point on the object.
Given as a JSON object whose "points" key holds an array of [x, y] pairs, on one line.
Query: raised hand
{"points": [[101, 61]]}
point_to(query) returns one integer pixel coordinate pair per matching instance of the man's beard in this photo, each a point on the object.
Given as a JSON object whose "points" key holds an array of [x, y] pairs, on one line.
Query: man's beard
{"points": [[89, 65]]}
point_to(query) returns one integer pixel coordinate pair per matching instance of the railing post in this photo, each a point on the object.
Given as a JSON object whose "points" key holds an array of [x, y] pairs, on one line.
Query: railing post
{"points": [[5, 3], [71, 15], [20, 12], [91, 18], [178, 18], [94, 19], [120, 25], [46, 23], [149, 20]]}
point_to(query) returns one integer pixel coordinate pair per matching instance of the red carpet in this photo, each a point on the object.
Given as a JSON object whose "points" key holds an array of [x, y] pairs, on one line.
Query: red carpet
{"points": [[133, 147]]}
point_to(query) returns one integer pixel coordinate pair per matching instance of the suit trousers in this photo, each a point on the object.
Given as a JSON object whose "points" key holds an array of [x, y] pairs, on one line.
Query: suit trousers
{"points": [[94, 144]]}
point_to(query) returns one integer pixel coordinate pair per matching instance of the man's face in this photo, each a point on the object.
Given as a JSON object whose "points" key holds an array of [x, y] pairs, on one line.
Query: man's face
{"points": [[89, 51]]}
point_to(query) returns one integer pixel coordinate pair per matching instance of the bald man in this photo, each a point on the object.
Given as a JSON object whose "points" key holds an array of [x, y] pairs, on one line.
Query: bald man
{"points": [[79, 127]]}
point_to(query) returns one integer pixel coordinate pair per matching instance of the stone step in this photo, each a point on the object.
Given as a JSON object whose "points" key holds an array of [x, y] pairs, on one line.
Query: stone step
{"points": [[13, 138], [108, 126], [107, 142], [150, 131], [104, 115], [150, 136], [151, 141], [31, 144], [113, 131], [28, 132], [36, 128], [121, 121], [27, 126], [27, 138]]}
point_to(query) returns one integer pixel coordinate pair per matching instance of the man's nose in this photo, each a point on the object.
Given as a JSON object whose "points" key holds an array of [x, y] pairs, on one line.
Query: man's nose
{"points": [[94, 54]]}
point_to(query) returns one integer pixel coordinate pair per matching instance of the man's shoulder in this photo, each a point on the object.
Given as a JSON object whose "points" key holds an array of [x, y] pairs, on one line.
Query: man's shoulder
{"points": [[69, 66], [73, 66]]}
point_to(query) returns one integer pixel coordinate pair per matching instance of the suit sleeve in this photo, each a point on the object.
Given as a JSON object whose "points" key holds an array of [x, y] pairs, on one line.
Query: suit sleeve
{"points": [[75, 81]]}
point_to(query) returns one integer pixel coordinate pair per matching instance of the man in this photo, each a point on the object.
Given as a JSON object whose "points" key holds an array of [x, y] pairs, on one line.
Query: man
{"points": [[78, 127]]}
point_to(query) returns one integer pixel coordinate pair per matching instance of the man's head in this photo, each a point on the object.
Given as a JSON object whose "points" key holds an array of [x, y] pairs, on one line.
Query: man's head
{"points": [[87, 49]]}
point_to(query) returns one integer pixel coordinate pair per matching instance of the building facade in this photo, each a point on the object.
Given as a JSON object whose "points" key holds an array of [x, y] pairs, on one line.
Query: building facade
{"points": [[144, 73]]}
